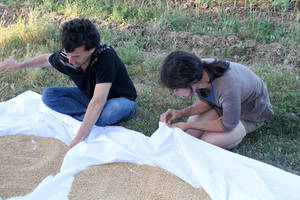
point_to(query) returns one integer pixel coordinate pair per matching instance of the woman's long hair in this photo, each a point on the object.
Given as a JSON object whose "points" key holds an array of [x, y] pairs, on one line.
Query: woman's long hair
{"points": [[181, 69]]}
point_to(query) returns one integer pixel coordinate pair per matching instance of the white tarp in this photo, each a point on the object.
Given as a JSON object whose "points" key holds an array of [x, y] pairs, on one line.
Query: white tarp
{"points": [[223, 174]]}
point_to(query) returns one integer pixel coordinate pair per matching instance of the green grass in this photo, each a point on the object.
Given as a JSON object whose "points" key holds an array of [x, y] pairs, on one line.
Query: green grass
{"points": [[277, 143]]}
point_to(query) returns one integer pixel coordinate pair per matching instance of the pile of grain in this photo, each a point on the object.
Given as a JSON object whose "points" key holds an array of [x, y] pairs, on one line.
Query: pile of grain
{"points": [[26, 161], [129, 181]]}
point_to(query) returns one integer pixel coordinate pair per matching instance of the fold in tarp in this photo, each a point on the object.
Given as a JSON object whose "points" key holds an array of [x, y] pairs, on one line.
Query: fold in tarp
{"points": [[223, 174]]}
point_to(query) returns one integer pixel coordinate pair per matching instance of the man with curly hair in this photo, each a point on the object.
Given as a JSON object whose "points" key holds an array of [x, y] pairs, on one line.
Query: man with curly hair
{"points": [[104, 93]]}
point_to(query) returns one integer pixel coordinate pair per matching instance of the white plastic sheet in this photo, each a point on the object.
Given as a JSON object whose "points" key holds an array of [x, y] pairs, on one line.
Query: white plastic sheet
{"points": [[223, 174]]}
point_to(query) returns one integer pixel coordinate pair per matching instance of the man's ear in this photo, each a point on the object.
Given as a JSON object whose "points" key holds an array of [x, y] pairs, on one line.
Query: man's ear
{"points": [[92, 50]]}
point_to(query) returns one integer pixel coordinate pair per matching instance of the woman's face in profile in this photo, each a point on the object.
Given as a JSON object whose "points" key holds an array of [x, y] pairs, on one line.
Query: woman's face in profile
{"points": [[187, 92]]}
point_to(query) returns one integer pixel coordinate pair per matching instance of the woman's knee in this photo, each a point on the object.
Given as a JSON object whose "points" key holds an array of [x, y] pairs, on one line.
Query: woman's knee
{"points": [[226, 140], [240, 130], [194, 118], [207, 116]]}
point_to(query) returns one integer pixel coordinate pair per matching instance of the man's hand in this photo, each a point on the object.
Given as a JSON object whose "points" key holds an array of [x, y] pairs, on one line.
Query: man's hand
{"points": [[170, 115], [182, 125], [10, 64]]}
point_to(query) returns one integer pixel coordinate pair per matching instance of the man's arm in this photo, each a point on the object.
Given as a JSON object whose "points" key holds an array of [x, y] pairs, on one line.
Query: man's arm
{"points": [[93, 112], [11, 65]]}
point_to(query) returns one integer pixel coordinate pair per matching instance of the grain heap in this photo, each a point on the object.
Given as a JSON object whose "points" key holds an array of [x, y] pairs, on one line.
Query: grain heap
{"points": [[26, 160]]}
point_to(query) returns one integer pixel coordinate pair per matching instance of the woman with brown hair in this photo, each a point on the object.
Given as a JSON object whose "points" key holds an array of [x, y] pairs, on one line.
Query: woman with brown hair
{"points": [[233, 100]]}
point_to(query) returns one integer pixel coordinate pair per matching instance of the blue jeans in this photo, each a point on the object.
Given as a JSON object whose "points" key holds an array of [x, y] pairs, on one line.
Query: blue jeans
{"points": [[73, 102]]}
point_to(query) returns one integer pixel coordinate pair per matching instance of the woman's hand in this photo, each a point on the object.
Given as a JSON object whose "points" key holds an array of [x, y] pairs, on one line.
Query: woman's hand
{"points": [[171, 115]]}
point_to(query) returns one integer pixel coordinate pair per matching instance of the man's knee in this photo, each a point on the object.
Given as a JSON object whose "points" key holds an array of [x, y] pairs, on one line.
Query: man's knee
{"points": [[47, 95], [111, 110], [116, 111]]}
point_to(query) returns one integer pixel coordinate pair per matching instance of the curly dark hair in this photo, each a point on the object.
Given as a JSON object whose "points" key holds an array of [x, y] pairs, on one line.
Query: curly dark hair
{"points": [[181, 69], [78, 32]]}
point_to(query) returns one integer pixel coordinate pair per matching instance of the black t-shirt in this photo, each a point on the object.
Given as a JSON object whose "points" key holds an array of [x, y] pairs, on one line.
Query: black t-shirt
{"points": [[105, 67]]}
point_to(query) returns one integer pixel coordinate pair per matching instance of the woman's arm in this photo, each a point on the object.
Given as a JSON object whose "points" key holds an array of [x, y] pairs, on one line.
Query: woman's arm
{"points": [[197, 108], [211, 126]]}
